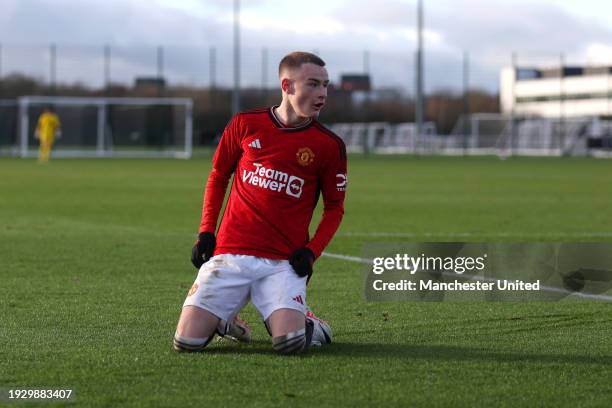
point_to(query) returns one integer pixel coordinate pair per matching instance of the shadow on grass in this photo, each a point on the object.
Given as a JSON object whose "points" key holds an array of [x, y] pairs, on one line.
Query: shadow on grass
{"points": [[417, 352]]}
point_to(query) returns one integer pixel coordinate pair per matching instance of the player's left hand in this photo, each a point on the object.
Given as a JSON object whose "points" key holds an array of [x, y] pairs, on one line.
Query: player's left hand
{"points": [[302, 260]]}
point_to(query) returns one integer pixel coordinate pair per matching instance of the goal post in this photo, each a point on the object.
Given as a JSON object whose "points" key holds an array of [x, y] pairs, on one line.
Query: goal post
{"points": [[110, 127]]}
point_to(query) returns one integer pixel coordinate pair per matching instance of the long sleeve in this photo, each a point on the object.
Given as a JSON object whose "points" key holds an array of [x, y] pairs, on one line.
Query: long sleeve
{"points": [[333, 183], [224, 163]]}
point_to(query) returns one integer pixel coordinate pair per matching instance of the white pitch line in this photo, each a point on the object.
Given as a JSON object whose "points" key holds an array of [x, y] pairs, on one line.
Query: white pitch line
{"points": [[357, 259], [579, 234], [348, 258]]}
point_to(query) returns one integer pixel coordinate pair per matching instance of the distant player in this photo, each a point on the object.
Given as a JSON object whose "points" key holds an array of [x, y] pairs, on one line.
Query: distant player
{"points": [[48, 128], [282, 158]]}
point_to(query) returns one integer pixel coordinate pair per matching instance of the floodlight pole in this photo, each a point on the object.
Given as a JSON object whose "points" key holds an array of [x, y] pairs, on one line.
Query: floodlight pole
{"points": [[160, 61], [562, 101], [212, 61], [160, 69], [107, 62], [264, 70], [419, 71], [466, 98], [366, 71], [513, 112], [236, 92], [52, 66], [608, 95], [212, 85], [0, 70]]}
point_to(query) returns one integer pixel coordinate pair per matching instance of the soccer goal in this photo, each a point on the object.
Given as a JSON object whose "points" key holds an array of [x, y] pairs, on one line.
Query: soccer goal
{"points": [[109, 127]]}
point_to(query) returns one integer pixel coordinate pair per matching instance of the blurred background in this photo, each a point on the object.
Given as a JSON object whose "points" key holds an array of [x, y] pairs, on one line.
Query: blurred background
{"points": [[407, 76]]}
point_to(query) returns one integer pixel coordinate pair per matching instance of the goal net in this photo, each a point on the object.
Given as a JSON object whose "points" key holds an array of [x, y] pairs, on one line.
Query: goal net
{"points": [[103, 127]]}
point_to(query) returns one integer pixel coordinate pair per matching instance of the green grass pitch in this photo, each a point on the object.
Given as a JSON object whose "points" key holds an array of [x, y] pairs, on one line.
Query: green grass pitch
{"points": [[94, 267]]}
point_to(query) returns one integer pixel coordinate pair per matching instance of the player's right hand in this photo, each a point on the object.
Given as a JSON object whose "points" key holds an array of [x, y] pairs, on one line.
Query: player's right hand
{"points": [[301, 260], [203, 249]]}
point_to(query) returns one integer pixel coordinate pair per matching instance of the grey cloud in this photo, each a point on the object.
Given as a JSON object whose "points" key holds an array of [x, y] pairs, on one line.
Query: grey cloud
{"points": [[489, 30], [381, 13], [37, 21], [517, 26]]}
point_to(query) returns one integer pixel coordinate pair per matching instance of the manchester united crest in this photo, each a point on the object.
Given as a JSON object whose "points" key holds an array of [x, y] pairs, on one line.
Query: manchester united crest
{"points": [[193, 289], [305, 156]]}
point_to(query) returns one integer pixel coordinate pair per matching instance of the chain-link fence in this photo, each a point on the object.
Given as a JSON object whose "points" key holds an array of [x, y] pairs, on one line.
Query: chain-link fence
{"points": [[457, 84], [99, 66]]}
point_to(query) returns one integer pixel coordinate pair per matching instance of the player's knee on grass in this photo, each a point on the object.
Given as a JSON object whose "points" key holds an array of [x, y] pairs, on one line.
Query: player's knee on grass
{"points": [[294, 342], [189, 344], [195, 329]]}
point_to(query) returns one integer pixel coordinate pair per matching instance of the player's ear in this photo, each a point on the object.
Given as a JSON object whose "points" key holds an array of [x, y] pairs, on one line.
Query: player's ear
{"points": [[287, 85]]}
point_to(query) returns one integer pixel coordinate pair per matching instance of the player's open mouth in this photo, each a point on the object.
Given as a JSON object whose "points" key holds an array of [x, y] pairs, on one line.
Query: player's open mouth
{"points": [[318, 106]]}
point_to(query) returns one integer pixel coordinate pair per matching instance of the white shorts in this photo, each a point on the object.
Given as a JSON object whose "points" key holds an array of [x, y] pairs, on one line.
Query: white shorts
{"points": [[227, 282]]}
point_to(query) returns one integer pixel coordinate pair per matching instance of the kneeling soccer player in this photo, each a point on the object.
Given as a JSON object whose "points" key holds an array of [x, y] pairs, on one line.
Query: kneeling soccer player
{"points": [[282, 158]]}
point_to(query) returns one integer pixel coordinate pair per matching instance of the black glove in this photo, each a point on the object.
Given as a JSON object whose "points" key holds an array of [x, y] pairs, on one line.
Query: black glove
{"points": [[302, 260], [203, 248]]}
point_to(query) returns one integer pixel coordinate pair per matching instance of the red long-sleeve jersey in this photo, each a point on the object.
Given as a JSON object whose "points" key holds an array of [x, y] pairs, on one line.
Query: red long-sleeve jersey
{"points": [[279, 173]]}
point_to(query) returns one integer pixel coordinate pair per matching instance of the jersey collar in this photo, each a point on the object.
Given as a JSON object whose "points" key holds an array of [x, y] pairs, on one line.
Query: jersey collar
{"points": [[277, 122]]}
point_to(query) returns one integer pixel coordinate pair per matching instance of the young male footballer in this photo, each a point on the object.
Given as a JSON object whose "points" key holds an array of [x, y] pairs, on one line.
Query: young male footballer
{"points": [[282, 158]]}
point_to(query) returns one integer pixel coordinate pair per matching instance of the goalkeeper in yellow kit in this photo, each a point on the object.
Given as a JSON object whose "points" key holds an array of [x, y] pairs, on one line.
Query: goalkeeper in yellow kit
{"points": [[49, 126]]}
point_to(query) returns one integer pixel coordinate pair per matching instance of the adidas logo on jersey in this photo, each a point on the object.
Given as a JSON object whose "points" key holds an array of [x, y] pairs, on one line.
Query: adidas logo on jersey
{"points": [[255, 143]]}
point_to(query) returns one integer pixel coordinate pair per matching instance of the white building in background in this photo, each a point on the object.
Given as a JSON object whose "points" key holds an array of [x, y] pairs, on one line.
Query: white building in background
{"points": [[556, 92]]}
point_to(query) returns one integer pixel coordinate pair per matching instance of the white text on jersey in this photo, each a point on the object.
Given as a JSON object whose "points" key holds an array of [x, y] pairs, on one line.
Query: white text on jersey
{"points": [[274, 180]]}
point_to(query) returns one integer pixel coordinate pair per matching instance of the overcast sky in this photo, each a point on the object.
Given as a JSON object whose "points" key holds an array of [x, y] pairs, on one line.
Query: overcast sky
{"points": [[339, 30]]}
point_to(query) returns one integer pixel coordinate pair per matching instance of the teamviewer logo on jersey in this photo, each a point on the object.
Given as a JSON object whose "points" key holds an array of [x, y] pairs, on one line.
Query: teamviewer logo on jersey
{"points": [[294, 188], [274, 180]]}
